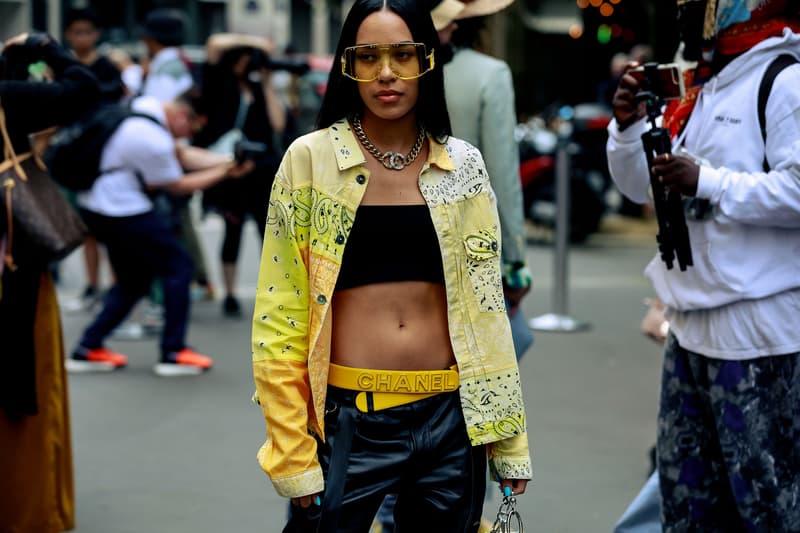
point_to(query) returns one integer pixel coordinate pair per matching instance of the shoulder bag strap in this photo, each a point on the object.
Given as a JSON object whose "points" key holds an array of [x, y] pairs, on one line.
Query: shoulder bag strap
{"points": [[774, 68]]}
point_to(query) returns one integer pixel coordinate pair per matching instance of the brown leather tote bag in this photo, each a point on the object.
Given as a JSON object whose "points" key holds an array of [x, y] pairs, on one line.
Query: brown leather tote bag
{"points": [[42, 226]]}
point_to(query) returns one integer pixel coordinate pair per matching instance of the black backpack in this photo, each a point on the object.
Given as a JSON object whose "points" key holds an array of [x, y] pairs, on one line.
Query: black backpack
{"points": [[74, 152]]}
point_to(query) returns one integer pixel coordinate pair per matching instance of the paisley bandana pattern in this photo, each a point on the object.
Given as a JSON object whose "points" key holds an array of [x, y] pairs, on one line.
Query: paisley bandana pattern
{"points": [[311, 212], [482, 247]]}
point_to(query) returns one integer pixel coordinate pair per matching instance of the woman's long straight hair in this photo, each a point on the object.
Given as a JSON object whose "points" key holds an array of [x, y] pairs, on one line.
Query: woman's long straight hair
{"points": [[342, 99]]}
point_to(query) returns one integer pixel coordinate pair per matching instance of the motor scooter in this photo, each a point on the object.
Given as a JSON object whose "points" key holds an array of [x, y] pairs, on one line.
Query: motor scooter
{"points": [[581, 130]]}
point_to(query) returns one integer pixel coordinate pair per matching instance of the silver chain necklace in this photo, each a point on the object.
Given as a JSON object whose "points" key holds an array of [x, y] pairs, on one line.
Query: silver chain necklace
{"points": [[391, 160]]}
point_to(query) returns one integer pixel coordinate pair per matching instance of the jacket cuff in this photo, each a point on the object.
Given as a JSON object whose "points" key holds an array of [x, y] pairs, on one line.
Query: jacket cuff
{"points": [[302, 484], [517, 276], [511, 467], [510, 458], [708, 183]]}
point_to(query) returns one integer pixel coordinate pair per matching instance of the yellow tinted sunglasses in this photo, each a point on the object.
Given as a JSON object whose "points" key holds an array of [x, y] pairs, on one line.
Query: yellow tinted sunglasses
{"points": [[406, 60]]}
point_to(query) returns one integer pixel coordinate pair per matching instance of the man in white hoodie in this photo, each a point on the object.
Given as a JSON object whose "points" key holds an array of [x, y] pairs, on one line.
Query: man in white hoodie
{"points": [[729, 417]]}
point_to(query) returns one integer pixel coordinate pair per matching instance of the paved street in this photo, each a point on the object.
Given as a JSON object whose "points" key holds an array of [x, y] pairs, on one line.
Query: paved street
{"points": [[159, 455]]}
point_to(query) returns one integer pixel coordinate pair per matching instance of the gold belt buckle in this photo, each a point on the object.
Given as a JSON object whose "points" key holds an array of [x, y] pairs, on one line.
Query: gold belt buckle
{"points": [[387, 400]]}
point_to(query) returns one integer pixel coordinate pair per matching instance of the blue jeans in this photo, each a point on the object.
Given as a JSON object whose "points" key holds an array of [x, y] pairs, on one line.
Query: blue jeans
{"points": [[643, 515], [140, 249], [520, 332]]}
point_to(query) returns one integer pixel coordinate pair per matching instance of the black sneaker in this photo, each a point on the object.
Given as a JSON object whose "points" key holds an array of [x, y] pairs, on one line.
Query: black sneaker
{"points": [[231, 307]]}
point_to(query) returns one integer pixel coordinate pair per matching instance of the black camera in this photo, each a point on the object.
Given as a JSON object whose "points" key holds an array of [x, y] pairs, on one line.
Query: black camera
{"points": [[665, 81], [293, 66], [260, 59], [245, 150]]}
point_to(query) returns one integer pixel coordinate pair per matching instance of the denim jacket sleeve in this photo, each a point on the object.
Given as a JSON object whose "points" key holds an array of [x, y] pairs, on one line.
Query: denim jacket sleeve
{"points": [[510, 458], [280, 347]]}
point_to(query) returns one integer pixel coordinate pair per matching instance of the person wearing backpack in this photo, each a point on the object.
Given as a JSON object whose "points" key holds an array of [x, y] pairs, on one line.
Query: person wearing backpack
{"points": [[728, 445], [141, 156]]}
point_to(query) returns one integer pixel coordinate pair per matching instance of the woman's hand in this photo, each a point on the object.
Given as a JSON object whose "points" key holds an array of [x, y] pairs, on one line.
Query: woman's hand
{"points": [[517, 486], [306, 501], [515, 297], [239, 169]]}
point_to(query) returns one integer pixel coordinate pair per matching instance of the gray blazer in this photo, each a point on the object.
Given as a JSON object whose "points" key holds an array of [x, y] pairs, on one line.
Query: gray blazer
{"points": [[480, 100]]}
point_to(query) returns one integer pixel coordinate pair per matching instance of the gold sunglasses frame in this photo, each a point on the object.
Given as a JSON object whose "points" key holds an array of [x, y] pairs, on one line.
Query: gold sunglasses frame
{"points": [[429, 57]]}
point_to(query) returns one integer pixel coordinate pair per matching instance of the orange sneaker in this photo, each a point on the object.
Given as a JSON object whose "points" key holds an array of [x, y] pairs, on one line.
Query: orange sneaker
{"points": [[95, 360], [186, 362]]}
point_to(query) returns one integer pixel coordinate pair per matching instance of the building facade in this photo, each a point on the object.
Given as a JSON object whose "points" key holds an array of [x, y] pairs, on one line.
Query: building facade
{"points": [[303, 25]]}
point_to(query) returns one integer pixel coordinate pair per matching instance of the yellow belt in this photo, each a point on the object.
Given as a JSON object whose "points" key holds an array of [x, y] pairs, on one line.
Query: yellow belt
{"points": [[391, 388]]}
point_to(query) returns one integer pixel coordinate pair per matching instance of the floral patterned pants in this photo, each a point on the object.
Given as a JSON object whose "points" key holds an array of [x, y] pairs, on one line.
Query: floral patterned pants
{"points": [[729, 443]]}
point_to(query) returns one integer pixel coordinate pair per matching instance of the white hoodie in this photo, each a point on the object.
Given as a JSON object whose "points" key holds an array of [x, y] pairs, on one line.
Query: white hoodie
{"points": [[750, 247]]}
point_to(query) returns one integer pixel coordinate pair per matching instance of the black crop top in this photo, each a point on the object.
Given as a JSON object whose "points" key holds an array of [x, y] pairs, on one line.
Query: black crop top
{"points": [[391, 243]]}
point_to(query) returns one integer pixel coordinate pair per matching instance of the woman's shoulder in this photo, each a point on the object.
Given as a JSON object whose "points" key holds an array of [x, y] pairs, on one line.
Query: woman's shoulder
{"points": [[307, 153], [466, 175], [460, 151]]}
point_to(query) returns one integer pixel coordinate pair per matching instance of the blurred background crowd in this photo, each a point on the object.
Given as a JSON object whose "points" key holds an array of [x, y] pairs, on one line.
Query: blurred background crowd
{"points": [[251, 59]]}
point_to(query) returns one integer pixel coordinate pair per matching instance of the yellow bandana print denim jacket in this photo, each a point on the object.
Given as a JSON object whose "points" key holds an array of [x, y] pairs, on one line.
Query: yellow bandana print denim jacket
{"points": [[314, 199]]}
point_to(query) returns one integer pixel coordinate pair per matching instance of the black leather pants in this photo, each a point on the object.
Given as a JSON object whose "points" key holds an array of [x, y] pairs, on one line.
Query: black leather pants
{"points": [[419, 451]]}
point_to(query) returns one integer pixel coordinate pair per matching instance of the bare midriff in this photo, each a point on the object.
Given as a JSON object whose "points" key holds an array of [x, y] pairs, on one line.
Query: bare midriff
{"points": [[392, 326]]}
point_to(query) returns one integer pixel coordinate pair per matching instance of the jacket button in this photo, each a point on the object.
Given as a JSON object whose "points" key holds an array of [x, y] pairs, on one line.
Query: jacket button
{"points": [[361, 179], [340, 239], [494, 246], [321, 299]]}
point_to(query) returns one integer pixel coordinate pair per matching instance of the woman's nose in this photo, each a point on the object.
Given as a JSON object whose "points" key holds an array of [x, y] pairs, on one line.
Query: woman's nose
{"points": [[386, 73]]}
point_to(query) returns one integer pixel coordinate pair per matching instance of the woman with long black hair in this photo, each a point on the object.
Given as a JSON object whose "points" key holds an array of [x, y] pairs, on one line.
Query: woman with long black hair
{"points": [[245, 106], [383, 357]]}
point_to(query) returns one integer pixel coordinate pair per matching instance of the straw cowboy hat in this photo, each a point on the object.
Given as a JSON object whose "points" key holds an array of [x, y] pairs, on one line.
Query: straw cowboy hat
{"points": [[479, 8], [447, 11]]}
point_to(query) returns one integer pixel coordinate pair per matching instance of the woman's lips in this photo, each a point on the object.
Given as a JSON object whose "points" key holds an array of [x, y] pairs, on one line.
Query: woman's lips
{"points": [[388, 97]]}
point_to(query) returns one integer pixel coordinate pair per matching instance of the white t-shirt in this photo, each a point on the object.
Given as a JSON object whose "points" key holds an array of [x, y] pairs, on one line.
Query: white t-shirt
{"points": [[140, 150], [742, 330]]}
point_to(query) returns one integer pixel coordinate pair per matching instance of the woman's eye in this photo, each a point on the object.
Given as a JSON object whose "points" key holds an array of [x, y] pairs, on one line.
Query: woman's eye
{"points": [[366, 57]]}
